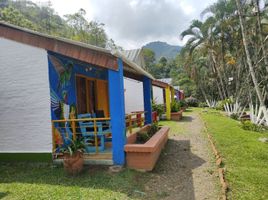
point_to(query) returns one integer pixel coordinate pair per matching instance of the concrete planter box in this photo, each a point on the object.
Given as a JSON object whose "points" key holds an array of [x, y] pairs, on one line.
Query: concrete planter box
{"points": [[144, 156], [176, 116]]}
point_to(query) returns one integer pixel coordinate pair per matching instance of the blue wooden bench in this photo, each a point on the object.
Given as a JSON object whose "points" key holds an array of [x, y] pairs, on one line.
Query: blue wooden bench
{"points": [[87, 131]]}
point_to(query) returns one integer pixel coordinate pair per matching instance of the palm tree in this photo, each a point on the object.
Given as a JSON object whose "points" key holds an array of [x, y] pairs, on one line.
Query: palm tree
{"points": [[201, 35], [249, 60]]}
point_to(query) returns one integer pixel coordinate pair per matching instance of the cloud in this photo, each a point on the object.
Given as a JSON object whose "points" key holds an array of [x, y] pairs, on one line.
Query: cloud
{"points": [[133, 23]]}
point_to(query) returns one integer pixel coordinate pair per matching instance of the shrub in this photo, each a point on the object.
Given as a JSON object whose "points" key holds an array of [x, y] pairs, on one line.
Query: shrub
{"points": [[249, 126], [159, 108], [202, 105], [220, 104], [234, 116], [191, 101], [153, 129], [144, 136], [175, 107], [182, 103]]}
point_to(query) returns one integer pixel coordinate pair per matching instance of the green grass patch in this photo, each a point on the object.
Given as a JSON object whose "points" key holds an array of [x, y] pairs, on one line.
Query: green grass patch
{"points": [[175, 127], [44, 181], [180, 127], [245, 158]]}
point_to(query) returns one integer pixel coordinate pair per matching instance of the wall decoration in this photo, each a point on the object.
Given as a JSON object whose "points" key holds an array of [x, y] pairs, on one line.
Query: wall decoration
{"points": [[64, 71]]}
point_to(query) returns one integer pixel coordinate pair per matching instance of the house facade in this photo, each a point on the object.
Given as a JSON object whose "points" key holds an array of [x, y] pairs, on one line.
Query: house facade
{"points": [[49, 83]]}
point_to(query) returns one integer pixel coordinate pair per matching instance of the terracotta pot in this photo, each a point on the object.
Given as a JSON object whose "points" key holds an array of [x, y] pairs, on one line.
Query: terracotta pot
{"points": [[176, 116], [144, 156], [73, 164]]}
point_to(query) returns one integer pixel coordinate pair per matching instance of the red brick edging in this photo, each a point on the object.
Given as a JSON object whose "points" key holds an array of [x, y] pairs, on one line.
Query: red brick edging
{"points": [[221, 170]]}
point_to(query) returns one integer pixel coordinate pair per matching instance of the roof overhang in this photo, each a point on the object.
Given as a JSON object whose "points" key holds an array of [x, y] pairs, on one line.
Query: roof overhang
{"points": [[160, 84], [73, 49]]}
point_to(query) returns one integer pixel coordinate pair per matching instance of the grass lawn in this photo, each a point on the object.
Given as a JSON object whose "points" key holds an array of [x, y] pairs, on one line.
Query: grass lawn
{"points": [[245, 158], [177, 128], [33, 181], [43, 181]]}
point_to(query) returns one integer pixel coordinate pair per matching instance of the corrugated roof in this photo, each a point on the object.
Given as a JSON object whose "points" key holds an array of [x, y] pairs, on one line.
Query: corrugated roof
{"points": [[135, 55]]}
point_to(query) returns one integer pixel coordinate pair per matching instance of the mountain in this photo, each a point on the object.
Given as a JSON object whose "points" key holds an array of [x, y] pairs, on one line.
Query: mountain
{"points": [[163, 49]]}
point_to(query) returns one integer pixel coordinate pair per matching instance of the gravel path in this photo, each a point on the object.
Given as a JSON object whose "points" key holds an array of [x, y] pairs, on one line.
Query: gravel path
{"points": [[186, 168]]}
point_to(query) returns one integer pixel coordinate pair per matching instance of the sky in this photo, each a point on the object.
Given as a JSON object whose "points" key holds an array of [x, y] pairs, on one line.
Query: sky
{"points": [[133, 23]]}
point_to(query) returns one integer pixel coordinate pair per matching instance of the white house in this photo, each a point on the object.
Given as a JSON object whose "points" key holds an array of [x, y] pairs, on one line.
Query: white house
{"points": [[47, 82]]}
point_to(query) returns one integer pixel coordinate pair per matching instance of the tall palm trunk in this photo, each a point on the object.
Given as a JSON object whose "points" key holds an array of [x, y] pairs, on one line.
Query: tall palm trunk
{"points": [[218, 73], [264, 50], [249, 61]]}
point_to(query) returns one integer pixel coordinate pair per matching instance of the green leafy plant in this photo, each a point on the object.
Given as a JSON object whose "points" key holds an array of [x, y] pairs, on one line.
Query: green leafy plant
{"points": [[234, 116], [202, 105], [153, 129], [182, 103], [175, 107], [144, 136], [191, 101], [248, 125], [74, 146], [220, 104], [159, 108]]}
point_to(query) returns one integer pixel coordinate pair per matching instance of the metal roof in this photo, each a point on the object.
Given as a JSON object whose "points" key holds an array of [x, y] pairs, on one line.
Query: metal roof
{"points": [[136, 56]]}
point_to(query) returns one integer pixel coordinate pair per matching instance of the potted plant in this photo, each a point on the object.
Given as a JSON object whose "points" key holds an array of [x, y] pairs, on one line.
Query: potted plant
{"points": [[176, 113], [158, 108], [73, 160]]}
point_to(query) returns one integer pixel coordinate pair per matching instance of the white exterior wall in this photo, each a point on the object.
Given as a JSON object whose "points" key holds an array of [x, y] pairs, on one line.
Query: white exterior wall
{"points": [[24, 99], [158, 95], [133, 95]]}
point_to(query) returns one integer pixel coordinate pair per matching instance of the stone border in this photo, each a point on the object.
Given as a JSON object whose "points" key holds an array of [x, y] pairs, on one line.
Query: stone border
{"points": [[221, 170]]}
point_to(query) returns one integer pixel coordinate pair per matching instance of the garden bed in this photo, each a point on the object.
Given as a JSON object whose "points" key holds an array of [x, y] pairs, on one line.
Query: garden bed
{"points": [[176, 116], [144, 156]]}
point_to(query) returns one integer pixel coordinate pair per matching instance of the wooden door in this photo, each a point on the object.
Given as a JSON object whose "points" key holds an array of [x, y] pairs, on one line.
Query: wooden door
{"points": [[86, 95], [102, 97]]}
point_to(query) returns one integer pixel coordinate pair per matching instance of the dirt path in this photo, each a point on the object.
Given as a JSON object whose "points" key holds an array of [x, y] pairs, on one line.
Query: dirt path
{"points": [[186, 169]]}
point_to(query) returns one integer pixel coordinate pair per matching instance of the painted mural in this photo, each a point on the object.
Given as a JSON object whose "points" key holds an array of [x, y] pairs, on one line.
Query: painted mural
{"points": [[62, 71]]}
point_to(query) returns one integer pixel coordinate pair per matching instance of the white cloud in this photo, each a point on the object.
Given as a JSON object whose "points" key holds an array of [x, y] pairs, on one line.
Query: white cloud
{"points": [[133, 23]]}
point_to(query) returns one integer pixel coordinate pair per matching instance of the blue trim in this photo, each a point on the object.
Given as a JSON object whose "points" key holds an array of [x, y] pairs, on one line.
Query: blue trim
{"points": [[147, 98], [117, 112]]}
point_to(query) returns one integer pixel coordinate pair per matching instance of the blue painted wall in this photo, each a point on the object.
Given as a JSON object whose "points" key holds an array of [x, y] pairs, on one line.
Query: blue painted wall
{"points": [[117, 112], [62, 71], [147, 97]]}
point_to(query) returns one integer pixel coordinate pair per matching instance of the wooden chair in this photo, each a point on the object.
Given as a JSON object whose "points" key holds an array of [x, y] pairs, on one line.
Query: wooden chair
{"points": [[88, 133], [106, 126]]}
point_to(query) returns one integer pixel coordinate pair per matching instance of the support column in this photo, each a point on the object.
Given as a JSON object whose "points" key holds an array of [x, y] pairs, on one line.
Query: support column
{"points": [[117, 113], [147, 99], [172, 94], [168, 102]]}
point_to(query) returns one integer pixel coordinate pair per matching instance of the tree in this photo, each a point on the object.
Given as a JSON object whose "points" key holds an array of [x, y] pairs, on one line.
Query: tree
{"points": [[149, 59], [43, 18], [13, 16], [249, 60]]}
